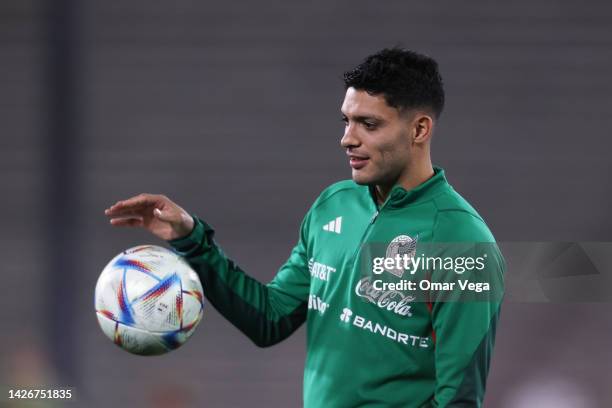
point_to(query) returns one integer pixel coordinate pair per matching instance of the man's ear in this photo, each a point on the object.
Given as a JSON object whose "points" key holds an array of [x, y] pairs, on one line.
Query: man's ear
{"points": [[423, 127]]}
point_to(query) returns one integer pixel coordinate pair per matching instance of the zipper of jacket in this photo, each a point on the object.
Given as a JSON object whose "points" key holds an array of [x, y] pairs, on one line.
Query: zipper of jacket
{"points": [[366, 232]]}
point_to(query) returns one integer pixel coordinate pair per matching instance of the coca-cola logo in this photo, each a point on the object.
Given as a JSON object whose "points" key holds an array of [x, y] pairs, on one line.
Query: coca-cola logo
{"points": [[391, 300]]}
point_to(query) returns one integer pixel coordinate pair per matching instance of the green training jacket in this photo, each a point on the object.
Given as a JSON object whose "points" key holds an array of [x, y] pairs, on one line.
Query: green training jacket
{"points": [[368, 347]]}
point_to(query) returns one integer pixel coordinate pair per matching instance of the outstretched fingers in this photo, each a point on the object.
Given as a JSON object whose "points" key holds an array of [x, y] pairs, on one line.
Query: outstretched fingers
{"points": [[131, 204], [127, 221]]}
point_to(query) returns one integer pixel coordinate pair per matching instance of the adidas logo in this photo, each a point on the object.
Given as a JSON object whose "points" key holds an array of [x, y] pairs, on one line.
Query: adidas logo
{"points": [[334, 225]]}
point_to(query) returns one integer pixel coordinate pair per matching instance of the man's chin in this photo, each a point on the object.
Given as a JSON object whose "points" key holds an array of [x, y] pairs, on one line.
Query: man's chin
{"points": [[360, 178]]}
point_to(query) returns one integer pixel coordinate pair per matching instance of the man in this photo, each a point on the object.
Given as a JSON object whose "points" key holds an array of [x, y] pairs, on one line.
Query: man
{"points": [[366, 347]]}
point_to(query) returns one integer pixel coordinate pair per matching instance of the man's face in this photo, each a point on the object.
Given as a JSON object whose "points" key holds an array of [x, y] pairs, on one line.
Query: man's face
{"points": [[377, 138]]}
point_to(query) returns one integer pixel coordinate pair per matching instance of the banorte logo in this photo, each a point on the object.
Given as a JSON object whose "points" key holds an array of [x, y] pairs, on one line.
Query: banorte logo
{"points": [[382, 330], [346, 315], [392, 300]]}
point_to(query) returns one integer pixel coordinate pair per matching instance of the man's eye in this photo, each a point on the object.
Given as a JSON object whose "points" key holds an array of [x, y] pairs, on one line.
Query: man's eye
{"points": [[345, 121], [369, 125]]}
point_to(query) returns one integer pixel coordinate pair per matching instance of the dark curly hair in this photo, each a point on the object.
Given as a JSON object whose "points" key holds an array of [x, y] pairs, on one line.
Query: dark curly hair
{"points": [[406, 79]]}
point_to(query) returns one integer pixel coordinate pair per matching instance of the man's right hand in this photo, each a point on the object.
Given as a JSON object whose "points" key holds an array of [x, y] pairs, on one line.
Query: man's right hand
{"points": [[153, 212]]}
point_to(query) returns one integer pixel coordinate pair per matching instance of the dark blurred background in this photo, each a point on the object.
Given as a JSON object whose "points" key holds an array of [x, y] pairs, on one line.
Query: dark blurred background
{"points": [[232, 110]]}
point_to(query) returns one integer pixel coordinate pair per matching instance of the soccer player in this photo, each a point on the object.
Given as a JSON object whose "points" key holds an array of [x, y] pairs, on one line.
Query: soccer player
{"points": [[365, 346]]}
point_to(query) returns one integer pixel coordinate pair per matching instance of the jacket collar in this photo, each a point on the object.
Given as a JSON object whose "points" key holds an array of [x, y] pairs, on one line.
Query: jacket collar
{"points": [[400, 197]]}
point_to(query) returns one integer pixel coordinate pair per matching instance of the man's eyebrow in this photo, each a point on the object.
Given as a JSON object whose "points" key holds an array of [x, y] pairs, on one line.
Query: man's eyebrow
{"points": [[362, 118]]}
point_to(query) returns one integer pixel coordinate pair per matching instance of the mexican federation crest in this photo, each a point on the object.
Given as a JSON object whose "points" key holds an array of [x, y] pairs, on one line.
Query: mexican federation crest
{"points": [[401, 245]]}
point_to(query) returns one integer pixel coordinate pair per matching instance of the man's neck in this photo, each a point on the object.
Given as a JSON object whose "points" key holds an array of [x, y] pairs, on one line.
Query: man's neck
{"points": [[410, 180]]}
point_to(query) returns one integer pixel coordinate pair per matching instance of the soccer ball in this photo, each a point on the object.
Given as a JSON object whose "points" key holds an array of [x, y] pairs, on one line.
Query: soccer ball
{"points": [[148, 300]]}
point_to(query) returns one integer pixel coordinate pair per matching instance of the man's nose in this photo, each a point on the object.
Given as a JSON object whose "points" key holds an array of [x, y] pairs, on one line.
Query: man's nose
{"points": [[350, 138]]}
